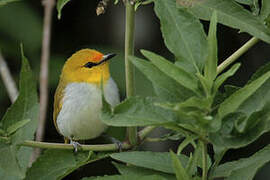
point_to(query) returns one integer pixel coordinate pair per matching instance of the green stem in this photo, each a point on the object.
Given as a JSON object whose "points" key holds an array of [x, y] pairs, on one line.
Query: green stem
{"points": [[101, 147], [146, 131], [204, 160], [129, 50], [216, 163], [237, 54]]}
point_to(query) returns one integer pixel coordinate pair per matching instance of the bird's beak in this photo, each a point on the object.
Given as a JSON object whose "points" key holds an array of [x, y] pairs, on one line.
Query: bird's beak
{"points": [[107, 57]]}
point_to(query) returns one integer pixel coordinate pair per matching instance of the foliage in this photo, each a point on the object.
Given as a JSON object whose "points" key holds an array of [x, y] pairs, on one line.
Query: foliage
{"points": [[19, 124], [188, 101]]}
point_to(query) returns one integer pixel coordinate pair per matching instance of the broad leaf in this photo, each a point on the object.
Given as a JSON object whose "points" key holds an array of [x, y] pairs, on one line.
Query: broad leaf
{"points": [[165, 87], [14, 127], [245, 168], [183, 34], [180, 75], [25, 107], [240, 129], [232, 103], [246, 2], [137, 111], [126, 177], [231, 14], [265, 9], [262, 70], [224, 76], [9, 166], [210, 69], [60, 5], [179, 170], [56, 164], [152, 160], [132, 171]]}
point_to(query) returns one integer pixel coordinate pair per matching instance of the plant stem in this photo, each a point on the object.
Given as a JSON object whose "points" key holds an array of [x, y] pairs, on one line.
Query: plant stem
{"points": [[102, 147], [8, 80], [44, 73], [204, 160], [146, 131], [129, 50], [237, 54], [216, 163]]}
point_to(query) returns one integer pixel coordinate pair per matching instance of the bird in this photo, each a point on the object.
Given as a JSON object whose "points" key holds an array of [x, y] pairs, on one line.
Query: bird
{"points": [[78, 96]]}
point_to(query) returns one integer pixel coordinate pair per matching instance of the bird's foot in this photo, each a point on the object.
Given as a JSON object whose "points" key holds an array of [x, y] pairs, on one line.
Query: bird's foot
{"points": [[75, 145], [119, 145]]}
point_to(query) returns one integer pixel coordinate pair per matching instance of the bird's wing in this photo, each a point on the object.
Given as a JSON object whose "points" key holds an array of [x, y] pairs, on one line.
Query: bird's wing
{"points": [[58, 97]]}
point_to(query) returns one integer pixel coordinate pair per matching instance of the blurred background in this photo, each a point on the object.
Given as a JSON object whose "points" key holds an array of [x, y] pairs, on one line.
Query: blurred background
{"points": [[79, 27]]}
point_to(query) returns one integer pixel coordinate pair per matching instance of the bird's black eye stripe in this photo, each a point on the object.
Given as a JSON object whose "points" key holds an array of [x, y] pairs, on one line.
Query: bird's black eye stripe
{"points": [[90, 64]]}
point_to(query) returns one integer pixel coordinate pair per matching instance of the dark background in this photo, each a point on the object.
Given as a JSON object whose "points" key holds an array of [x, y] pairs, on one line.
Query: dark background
{"points": [[79, 27]]}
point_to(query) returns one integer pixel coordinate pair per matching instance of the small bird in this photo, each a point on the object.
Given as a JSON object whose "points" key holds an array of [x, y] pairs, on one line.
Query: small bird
{"points": [[78, 97]]}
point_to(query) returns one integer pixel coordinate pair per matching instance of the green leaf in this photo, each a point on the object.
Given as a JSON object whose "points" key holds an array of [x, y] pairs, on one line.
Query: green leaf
{"points": [[179, 170], [262, 70], [210, 70], [137, 111], [231, 14], [224, 76], [25, 107], [14, 127], [180, 75], [126, 177], [183, 34], [240, 129], [255, 7], [232, 103], [60, 5], [165, 87], [265, 9], [5, 2], [246, 2], [56, 164], [244, 168], [152, 160], [9, 166], [132, 171]]}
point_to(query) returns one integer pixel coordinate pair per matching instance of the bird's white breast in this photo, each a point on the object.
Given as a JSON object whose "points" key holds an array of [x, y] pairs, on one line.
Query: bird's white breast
{"points": [[82, 104]]}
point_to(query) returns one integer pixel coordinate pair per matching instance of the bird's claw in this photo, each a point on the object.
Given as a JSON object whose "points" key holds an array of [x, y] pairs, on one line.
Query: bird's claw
{"points": [[75, 145], [119, 145]]}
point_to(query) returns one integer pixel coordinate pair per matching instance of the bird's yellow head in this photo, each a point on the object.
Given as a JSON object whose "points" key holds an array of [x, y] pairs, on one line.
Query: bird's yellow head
{"points": [[87, 65]]}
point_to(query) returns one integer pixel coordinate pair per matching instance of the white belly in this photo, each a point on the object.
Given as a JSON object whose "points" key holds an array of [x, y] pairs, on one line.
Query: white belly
{"points": [[82, 104]]}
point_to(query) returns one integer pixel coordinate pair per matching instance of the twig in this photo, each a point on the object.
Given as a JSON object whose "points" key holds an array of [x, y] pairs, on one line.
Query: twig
{"points": [[8, 80], [102, 147], [44, 70], [129, 50], [237, 54], [204, 160]]}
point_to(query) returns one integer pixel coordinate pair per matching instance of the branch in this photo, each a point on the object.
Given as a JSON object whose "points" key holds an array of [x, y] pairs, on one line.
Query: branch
{"points": [[237, 54], [8, 80], [102, 147], [44, 70], [129, 50]]}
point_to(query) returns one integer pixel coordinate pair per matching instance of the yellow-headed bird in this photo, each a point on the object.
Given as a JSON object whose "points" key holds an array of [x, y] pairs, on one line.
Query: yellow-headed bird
{"points": [[78, 97]]}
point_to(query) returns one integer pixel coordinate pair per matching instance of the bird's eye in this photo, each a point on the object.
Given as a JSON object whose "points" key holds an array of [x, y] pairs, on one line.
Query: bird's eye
{"points": [[89, 64]]}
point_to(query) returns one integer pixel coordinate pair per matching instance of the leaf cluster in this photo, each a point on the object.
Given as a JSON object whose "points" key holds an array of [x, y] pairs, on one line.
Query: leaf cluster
{"points": [[187, 101]]}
